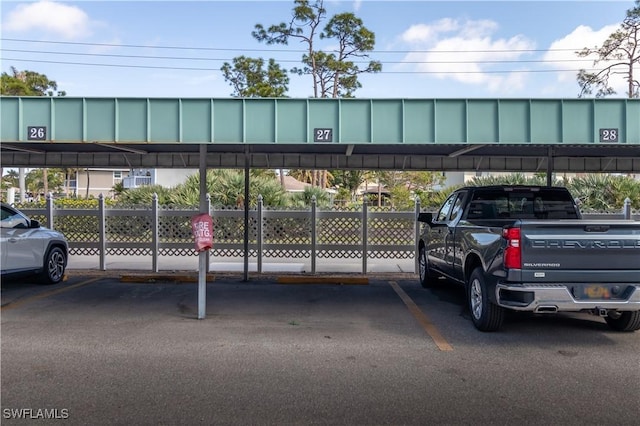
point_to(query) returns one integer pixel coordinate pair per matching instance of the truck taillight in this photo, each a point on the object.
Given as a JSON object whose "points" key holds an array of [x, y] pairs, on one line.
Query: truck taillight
{"points": [[512, 254]]}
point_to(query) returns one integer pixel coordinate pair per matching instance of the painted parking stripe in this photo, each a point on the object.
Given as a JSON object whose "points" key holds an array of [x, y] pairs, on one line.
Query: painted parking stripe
{"points": [[47, 294], [424, 321]]}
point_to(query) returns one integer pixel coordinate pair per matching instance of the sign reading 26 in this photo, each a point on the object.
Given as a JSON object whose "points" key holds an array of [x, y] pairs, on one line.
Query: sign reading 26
{"points": [[36, 133]]}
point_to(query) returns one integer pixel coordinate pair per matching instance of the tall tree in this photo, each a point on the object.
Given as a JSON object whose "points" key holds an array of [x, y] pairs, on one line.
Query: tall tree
{"points": [[28, 83], [621, 54], [333, 74], [304, 26], [249, 79]]}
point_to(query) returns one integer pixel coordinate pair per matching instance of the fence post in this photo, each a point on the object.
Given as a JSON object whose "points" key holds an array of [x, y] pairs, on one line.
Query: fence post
{"points": [[259, 236], [50, 210], [365, 234], [417, 237], [626, 209], [313, 233], [102, 239], [155, 241]]}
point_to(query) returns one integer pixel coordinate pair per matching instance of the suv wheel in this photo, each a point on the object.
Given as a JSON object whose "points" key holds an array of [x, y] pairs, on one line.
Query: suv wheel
{"points": [[54, 265]]}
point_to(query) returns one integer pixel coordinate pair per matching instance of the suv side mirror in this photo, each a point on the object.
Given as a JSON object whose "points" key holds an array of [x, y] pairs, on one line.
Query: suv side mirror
{"points": [[425, 217], [34, 224]]}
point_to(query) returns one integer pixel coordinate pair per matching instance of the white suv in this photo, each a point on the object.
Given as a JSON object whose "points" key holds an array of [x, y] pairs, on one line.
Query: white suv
{"points": [[27, 247]]}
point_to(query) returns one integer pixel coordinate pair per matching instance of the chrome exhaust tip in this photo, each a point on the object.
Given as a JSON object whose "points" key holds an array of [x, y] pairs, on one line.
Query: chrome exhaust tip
{"points": [[546, 309]]}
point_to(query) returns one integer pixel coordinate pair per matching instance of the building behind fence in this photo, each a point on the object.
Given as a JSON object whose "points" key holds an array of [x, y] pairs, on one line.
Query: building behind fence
{"points": [[359, 234]]}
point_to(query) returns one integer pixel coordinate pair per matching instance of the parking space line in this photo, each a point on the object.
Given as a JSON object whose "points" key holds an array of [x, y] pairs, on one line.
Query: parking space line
{"points": [[420, 316], [46, 294]]}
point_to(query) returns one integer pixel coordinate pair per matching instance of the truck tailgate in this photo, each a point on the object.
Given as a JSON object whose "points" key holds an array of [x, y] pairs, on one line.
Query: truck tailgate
{"points": [[610, 248]]}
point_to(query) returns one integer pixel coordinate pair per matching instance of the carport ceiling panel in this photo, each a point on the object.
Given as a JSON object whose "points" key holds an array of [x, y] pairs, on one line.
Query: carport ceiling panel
{"points": [[67, 120], [164, 120], [387, 121], [632, 122], [514, 118], [482, 121], [355, 121], [576, 117], [132, 120], [196, 120], [546, 121], [260, 121], [292, 118], [101, 124], [228, 121], [451, 120]]}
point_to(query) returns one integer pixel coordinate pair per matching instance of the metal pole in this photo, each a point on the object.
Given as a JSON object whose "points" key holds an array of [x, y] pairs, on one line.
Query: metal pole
{"points": [[314, 230], [365, 235], [550, 166], [246, 214], [202, 257], [626, 208], [417, 237], [259, 236], [102, 224], [155, 237]]}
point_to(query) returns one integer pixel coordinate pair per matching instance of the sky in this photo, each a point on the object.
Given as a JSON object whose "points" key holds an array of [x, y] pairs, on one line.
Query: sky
{"points": [[428, 49]]}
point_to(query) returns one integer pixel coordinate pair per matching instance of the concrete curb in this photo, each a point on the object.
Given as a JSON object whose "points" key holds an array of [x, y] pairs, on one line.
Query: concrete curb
{"points": [[330, 279]]}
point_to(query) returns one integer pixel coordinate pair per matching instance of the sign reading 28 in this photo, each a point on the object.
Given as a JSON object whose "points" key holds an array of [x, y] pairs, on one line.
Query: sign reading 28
{"points": [[609, 135]]}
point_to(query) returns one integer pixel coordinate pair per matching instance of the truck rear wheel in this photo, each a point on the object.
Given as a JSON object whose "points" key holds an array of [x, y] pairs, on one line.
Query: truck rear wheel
{"points": [[427, 279], [486, 315], [624, 321]]}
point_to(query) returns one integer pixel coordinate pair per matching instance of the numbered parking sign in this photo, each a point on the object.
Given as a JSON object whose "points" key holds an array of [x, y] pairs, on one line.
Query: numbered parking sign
{"points": [[609, 135], [322, 135], [36, 133]]}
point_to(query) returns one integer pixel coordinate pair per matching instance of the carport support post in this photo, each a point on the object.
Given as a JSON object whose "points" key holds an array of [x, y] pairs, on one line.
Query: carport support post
{"points": [[417, 237], [365, 241], [550, 166], [202, 257]]}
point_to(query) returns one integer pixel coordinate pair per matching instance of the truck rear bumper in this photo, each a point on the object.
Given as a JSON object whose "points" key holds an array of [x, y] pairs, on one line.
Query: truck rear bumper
{"points": [[559, 298]]}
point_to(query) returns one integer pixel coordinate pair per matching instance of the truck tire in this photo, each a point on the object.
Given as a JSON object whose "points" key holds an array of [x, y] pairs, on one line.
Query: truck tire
{"points": [[427, 279], [624, 321], [54, 265], [486, 315]]}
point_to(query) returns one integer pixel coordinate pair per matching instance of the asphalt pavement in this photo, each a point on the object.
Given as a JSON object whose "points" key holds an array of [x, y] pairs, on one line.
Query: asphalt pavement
{"points": [[96, 350]]}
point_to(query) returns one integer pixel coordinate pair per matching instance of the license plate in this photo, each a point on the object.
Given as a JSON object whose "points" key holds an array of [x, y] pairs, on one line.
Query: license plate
{"points": [[595, 291]]}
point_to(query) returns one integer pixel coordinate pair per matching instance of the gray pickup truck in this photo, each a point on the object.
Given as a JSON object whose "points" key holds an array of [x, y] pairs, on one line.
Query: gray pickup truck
{"points": [[527, 248]]}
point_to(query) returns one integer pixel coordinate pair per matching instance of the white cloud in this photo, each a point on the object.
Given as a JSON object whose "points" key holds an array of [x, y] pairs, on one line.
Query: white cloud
{"points": [[67, 21], [466, 51], [561, 54], [423, 33]]}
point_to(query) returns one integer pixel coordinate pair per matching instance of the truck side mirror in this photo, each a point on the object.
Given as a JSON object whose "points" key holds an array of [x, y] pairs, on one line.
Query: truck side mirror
{"points": [[425, 217]]}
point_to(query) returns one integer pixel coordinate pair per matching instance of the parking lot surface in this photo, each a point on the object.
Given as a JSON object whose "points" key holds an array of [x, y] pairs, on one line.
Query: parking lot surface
{"points": [[96, 350]]}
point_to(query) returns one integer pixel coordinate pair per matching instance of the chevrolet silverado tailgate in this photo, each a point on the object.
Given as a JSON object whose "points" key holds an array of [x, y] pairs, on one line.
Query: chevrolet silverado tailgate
{"points": [[580, 250]]}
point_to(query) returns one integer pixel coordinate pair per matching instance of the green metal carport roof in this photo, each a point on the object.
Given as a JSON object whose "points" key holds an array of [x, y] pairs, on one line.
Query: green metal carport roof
{"points": [[565, 135]]}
